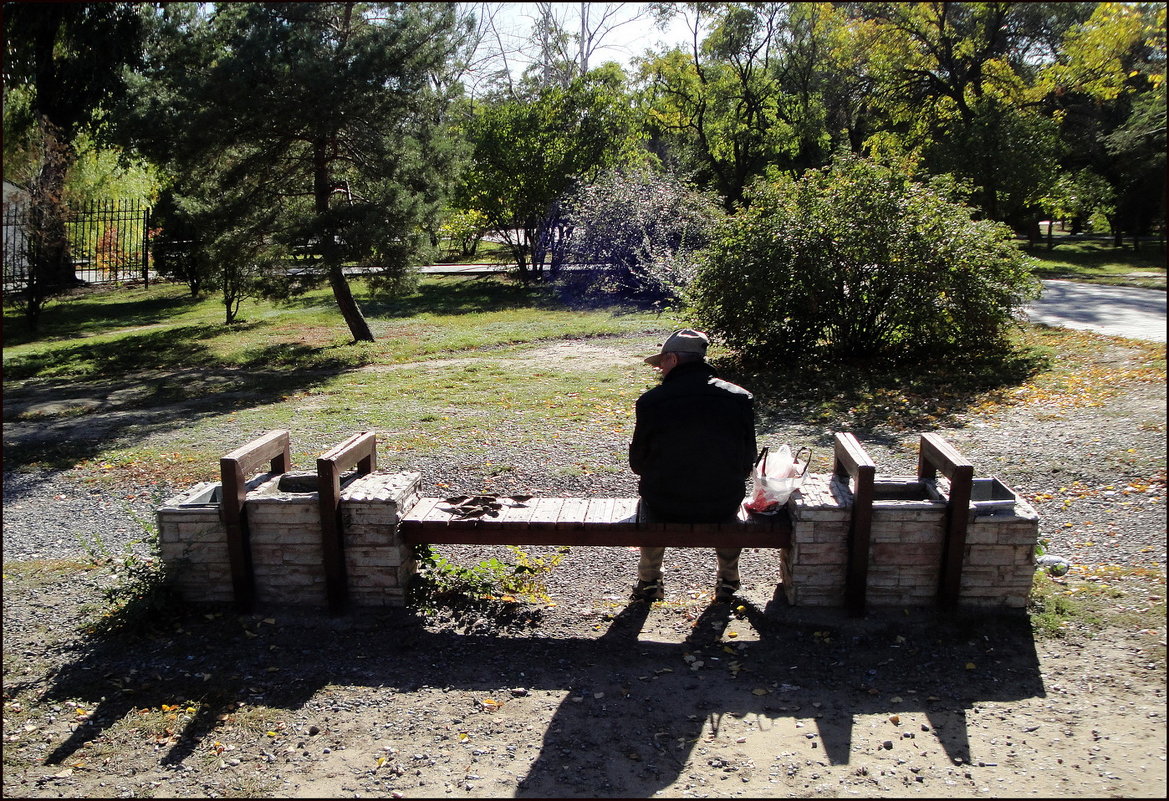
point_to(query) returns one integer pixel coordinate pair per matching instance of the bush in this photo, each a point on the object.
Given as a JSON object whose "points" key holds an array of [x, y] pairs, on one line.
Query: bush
{"points": [[641, 231], [857, 259]]}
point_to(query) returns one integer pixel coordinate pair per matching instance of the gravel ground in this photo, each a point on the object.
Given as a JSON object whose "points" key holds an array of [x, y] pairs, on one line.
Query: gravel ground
{"points": [[881, 706]]}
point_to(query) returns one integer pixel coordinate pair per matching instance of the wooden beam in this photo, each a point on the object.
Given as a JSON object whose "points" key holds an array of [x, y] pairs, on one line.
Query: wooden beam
{"points": [[358, 451], [851, 461], [934, 455], [234, 469]]}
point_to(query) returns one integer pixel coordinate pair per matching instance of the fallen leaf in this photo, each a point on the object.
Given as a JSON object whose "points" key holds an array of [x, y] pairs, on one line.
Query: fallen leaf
{"points": [[761, 691]]}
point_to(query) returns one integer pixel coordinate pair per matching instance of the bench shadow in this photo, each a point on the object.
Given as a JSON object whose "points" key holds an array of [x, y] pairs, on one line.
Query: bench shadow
{"points": [[634, 711]]}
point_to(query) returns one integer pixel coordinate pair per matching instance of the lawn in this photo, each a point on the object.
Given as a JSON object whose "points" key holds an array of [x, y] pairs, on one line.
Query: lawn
{"points": [[1099, 262], [456, 363]]}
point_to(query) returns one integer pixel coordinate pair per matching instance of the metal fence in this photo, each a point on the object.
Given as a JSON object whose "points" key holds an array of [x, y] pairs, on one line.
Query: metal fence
{"points": [[109, 242]]}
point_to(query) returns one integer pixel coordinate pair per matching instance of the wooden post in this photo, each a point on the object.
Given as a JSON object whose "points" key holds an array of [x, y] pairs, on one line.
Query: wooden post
{"points": [[358, 451], [935, 454], [851, 461], [234, 469]]}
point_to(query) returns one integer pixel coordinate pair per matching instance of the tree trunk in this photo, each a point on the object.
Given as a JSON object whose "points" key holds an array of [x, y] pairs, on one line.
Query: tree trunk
{"points": [[348, 306], [331, 249]]}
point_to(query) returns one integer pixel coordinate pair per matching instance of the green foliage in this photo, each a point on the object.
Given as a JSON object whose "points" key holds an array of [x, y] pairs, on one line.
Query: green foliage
{"points": [[640, 231], [859, 260], [752, 96], [440, 582], [317, 127], [463, 231], [528, 153]]}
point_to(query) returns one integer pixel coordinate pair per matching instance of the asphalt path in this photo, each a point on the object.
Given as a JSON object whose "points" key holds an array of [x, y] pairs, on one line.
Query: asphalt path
{"points": [[1114, 310]]}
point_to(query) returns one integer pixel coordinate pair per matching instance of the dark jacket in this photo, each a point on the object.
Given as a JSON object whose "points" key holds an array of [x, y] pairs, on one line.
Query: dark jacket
{"points": [[693, 445]]}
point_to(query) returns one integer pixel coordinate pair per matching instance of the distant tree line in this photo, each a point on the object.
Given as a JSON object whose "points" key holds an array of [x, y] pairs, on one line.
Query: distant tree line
{"points": [[366, 132]]}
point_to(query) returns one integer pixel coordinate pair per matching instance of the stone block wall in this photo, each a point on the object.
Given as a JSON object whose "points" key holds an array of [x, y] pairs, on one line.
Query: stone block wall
{"points": [[813, 568], [285, 533], [378, 567], [905, 553], [999, 560], [193, 541], [285, 538]]}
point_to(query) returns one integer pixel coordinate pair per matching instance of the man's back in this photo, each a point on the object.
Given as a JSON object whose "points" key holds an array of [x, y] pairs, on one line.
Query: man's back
{"points": [[693, 445]]}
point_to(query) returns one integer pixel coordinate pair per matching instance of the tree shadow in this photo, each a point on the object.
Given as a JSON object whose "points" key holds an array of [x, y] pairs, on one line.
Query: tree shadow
{"points": [[154, 381], [879, 399], [84, 314], [634, 711], [449, 295]]}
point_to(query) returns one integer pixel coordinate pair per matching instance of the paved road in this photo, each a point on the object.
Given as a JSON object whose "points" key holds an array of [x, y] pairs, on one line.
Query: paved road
{"points": [[1113, 310]]}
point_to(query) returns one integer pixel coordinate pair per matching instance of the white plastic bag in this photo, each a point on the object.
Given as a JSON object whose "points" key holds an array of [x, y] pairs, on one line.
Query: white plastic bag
{"points": [[774, 478]]}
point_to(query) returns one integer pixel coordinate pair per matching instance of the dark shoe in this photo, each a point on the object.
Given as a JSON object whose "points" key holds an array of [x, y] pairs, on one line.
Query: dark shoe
{"points": [[648, 591], [724, 593]]}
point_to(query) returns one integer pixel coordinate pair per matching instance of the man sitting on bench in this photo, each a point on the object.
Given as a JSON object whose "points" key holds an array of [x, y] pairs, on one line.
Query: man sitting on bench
{"points": [[693, 447]]}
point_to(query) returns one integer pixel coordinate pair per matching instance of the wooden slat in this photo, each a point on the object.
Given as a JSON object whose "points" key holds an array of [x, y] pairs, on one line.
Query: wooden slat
{"points": [[517, 516], [624, 514], [572, 513], [545, 512], [600, 511]]}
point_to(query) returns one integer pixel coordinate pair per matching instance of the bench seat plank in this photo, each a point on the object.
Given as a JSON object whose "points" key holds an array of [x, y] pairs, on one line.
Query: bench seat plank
{"points": [[587, 521]]}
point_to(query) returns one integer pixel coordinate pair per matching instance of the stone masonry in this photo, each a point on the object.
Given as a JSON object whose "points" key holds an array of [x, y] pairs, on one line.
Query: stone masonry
{"points": [[285, 536], [813, 569], [905, 553]]}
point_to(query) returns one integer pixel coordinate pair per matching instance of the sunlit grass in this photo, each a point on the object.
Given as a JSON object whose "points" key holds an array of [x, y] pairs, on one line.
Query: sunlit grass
{"points": [[1100, 262]]}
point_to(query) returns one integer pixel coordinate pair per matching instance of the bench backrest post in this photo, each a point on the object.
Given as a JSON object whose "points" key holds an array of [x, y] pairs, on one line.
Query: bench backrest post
{"points": [[358, 451], [851, 461], [234, 469], [934, 455]]}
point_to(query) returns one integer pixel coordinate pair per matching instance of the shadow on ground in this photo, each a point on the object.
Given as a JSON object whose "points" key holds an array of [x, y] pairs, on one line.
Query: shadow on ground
{"points": [[627, 699]]}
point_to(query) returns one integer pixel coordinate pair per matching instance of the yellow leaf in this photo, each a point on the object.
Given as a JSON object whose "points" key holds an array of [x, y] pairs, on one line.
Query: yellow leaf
{"points": [[970, 666], [761, 691]]}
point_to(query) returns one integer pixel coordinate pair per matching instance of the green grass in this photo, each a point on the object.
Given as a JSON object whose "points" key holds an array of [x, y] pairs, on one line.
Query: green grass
{"points": [[293, 365], [1091, 599], [1100, 262], [457, 366]]}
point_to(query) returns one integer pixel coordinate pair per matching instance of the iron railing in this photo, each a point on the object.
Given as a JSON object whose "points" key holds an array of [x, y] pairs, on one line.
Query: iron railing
{"points": [[109, 242]]}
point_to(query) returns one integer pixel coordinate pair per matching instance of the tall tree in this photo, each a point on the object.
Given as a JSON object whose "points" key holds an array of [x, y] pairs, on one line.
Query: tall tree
{"points": [[955, 89], [528, 154], [1107, 91], [63, 64], [745, 93], [315, 124]]}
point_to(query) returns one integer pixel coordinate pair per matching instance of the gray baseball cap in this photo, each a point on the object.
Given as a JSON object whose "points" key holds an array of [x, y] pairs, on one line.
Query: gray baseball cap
{"points": [[684, 340]]}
